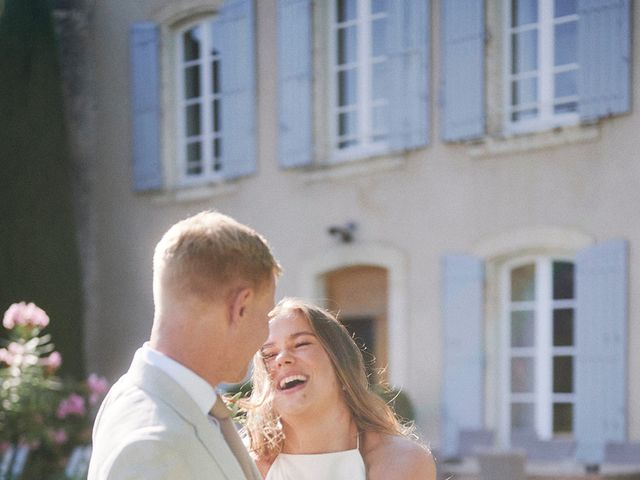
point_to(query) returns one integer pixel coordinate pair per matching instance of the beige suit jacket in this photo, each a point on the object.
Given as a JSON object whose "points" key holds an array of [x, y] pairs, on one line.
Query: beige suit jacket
{"points": [[149, 428]]}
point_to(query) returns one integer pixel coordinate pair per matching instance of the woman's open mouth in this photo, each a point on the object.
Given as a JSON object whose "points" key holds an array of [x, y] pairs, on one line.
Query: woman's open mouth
{"points": [[291, 382]]}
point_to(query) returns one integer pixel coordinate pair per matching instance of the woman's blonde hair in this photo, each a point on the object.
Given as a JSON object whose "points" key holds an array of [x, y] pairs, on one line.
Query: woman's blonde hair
{"points": [[370, 412]]}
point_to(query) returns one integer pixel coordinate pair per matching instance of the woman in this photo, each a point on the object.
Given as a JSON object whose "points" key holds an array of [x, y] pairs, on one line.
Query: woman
{"points": [[312, 416]]}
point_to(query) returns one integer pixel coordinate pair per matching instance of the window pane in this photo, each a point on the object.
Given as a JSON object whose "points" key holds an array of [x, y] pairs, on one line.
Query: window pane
{"points": [[194, 158], [562, 280], [522, 417], [378, 6], [347, 124], [191, 42], [347, 45], [563, 374], [562, 418], [523, 286], [566, 107], [566, 43], [347, 87], [565, 7], [379, 81], [566, 84], [522, 375], [347, 143], [193, 120], [524, 114], [346, 10], [215, 76], [192, 82], [379, 40], [524, 12], [215, 115], [563, 327], [524, 48], [524, 91], [216, 151], [522, 329]]}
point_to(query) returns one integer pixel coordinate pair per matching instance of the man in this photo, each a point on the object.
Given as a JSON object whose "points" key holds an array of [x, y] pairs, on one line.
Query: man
{"points": [[213, 286]]}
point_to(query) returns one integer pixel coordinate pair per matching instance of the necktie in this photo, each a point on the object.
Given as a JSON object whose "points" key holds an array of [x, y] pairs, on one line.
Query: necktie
{"points": [[223, 415]]}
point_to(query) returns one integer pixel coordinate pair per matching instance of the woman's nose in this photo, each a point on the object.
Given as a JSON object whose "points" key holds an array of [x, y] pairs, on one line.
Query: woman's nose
{"points": [[284, 358]]}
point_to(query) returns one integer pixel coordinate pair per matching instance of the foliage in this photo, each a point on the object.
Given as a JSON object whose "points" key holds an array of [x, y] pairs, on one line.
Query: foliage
{"points": [[37, 408], [399, 402], [39, 188]]}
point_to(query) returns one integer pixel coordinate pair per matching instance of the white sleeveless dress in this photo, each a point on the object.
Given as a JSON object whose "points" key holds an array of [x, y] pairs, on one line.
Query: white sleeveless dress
{"points": [[346, 465]]}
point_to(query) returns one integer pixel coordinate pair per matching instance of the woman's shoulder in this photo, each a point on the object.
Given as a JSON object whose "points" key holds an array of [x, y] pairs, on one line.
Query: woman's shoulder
{"points": [[393, 456]]}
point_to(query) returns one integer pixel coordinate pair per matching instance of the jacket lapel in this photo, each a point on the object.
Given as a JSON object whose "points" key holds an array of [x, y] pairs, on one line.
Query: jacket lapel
{"points": [[164, 389]]}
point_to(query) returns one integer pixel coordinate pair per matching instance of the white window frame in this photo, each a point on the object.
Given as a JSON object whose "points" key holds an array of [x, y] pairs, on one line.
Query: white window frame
{"points": [[543, 351], [366, 146], [546, 118], [207, 136]]}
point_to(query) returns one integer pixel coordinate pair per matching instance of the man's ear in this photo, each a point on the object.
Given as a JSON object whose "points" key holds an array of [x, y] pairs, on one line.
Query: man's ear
{"points": [[240, 301]]}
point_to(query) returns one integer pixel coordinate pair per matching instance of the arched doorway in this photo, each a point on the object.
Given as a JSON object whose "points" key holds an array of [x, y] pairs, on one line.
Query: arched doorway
{"points": [[360, 294]]}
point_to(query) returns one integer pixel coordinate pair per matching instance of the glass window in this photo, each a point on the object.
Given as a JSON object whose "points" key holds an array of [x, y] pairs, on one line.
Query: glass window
{"points": [[523, 417], [523, 328], [563, 374], [563, 327], [542, 64], [199, 102], [541, 346], [562, 419], [360, 75], [523, 285], [522, 375]]}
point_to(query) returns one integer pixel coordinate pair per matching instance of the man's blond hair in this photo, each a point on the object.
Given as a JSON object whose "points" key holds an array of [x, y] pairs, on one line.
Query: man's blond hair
{"points": [[208, 253]]}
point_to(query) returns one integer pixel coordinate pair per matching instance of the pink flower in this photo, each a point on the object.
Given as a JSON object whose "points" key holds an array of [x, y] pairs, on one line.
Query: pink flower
{"points": [[25, 314], [59, 436], [53, 361], [72, 405], [6, 356], [98, 386]]}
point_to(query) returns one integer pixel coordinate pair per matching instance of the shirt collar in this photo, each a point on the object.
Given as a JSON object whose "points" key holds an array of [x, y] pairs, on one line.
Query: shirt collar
{"points": [[196, 387]]}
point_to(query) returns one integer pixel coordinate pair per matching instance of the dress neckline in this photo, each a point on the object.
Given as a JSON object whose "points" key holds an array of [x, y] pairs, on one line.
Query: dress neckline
{"points": [[357, 449]]}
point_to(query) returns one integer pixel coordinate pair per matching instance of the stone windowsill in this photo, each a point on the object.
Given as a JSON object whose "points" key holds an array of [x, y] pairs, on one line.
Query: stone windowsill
{"points": [[494, 146]]}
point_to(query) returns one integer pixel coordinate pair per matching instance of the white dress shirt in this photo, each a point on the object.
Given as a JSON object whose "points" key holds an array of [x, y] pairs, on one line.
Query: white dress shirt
{"points": [[196, 387]]}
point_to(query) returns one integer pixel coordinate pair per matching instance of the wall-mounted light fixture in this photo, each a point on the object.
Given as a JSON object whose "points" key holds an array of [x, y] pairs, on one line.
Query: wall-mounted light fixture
{"points": [[344, 233]]}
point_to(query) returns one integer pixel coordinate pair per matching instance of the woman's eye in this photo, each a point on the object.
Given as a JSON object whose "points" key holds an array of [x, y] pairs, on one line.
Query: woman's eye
{"points": [[302, 344], [268, 355]]}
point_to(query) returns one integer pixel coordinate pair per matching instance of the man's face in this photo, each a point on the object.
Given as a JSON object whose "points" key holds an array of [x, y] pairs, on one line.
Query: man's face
{"points": [[254, 328]]}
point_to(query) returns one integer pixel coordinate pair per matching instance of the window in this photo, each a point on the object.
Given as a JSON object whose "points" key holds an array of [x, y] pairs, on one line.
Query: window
{"points": [[541, 64], [359, 71], [353, 79], [548, 360], [519, 66], [539, 346], [193, 96], [199, 103]]}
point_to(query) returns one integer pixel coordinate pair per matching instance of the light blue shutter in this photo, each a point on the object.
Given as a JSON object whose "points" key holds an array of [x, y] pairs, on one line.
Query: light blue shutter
{"points": [[604, 49], [145, 106], [294, 83], [234, 32], [462, 81], [463, 382], [408, 52], [601, 353]]}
